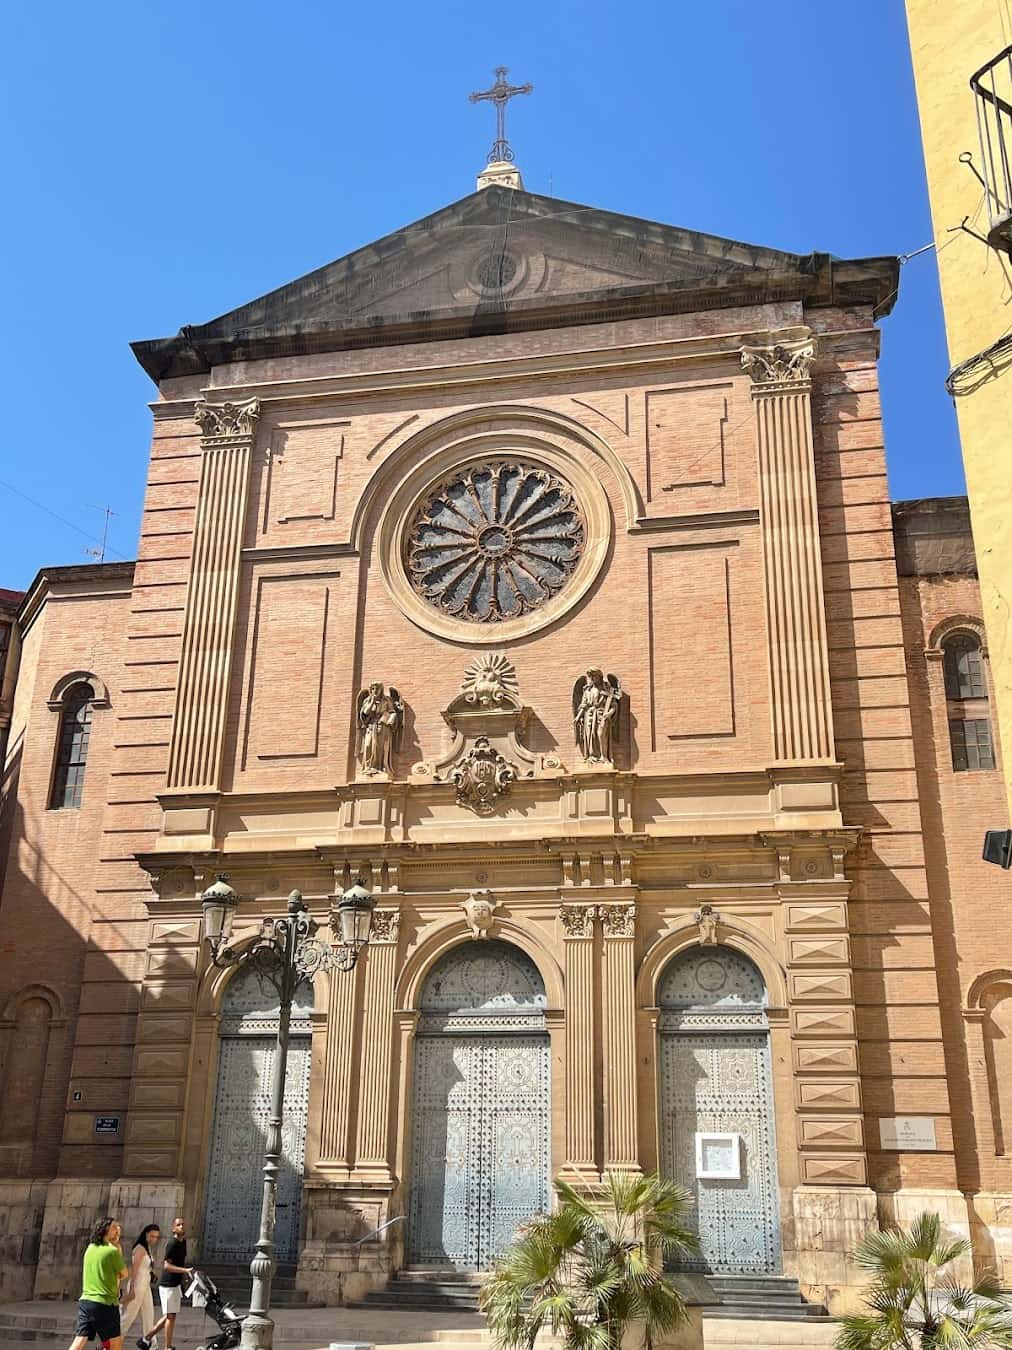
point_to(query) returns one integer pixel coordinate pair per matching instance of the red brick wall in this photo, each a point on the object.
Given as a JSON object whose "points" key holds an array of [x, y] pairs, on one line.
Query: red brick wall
{"points": [[969, 898]]}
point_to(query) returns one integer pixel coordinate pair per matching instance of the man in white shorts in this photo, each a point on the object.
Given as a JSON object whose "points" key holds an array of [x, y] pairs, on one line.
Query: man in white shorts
{"points": [[170, 1286]]}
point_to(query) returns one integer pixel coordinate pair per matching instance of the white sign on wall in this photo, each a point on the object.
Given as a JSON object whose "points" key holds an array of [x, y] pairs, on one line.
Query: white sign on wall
{"points": [[718, 1157], [913, 1133]]}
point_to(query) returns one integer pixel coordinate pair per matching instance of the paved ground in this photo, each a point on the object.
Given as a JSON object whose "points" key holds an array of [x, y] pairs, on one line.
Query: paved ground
{"points": [[51, 1324], [295, 1328]]}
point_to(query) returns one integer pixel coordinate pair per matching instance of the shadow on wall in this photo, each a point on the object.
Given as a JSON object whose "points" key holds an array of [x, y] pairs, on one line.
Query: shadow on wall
{"points": [[57, 1171]]}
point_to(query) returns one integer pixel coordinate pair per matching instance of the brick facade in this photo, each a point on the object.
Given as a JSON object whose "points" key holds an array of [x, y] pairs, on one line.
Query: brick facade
{"points": [[775, 754]]}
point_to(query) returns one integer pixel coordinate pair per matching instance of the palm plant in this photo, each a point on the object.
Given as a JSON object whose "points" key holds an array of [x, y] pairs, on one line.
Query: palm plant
{"points": [[593, 1268], [917, 1302]]}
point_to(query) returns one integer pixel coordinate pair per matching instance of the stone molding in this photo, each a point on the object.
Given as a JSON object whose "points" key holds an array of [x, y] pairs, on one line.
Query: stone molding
{"points": [[784, 365]]}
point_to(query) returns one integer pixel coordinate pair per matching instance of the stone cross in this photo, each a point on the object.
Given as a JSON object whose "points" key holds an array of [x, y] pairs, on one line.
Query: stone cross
{"points": [[500, 94]]}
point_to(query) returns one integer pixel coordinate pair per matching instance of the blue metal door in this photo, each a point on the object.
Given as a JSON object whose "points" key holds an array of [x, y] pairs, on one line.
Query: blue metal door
{"points": [[246, 1051], [720, 1083], [480, 1157], [715, 1078]]}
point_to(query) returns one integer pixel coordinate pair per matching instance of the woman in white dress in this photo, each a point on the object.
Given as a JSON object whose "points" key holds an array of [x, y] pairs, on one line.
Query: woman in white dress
{"points": [[138, 1296]]}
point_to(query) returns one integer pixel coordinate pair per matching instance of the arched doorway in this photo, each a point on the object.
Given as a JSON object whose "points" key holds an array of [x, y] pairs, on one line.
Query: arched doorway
{"points": [[246, 1050], [716, 1107], [481, 1113]]}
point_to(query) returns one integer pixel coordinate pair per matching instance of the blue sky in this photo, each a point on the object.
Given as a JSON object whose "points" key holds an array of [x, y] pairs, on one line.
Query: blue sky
{"points": [[164, 163]]}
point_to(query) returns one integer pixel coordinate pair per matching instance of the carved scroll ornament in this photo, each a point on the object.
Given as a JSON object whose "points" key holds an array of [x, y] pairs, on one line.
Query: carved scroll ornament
{"points": [[226, 420], [578, 920], [386, 925], [479, 912], [707, 919], [618, 920], [780, 364], [482, 777], [491, 681]]}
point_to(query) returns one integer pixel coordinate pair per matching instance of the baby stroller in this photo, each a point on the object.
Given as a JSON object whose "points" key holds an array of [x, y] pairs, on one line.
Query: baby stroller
{"points": [[204, 1291]]}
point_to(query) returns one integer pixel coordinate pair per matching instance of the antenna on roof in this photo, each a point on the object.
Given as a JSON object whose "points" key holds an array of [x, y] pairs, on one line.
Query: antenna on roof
{"points": [[99, 553]]}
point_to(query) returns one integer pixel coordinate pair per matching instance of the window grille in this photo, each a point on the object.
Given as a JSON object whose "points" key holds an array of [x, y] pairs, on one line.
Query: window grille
{"points": [[964, 669], [970, 739], [72, 749]]}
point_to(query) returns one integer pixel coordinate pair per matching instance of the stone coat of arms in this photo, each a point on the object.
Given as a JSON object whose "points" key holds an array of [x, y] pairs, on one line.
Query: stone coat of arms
{"points": [[482, 777]]}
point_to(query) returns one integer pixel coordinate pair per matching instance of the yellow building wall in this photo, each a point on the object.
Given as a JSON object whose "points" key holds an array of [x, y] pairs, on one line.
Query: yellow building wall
{"points": [[949, 41]]}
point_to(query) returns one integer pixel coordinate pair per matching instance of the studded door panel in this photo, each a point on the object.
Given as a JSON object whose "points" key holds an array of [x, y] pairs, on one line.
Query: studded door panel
{"points": [[481, 1149], [238, 1141], [721, 1082]]}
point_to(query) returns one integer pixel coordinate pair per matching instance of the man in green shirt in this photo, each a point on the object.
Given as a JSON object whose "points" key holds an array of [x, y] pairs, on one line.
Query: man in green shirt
{"points": [[98, 1306]]}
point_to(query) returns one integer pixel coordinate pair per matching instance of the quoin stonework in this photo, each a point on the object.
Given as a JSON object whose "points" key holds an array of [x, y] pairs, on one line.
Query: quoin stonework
{"points": [[535, 565]]}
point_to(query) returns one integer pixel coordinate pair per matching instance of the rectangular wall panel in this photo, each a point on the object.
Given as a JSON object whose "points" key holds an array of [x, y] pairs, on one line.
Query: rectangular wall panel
{"points": [[691, 666], [286, 684], [302, 473], [686, 431]]}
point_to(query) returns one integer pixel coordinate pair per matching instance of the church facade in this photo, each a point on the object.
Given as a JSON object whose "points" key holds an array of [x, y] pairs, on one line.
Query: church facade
{"points": [[536, 566]]}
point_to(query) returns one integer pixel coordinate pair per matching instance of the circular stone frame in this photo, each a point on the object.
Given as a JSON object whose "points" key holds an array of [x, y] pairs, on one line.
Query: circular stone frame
{"points": [[418, 485]]}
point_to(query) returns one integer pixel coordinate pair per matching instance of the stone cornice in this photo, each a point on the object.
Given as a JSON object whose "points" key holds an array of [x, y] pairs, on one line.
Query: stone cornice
{"points": [[465, 374], [828, 282]]}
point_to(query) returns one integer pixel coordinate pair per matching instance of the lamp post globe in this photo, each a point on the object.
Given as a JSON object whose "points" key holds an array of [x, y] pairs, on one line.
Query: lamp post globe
{"points": [[218, 904], [354, 916]]}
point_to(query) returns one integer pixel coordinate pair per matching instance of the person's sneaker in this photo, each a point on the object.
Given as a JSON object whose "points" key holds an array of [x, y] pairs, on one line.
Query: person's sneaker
{"points": [[143, 1343]]}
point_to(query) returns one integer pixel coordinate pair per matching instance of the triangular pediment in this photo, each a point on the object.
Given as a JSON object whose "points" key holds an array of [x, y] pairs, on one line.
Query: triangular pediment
{"points": [[502, 257], [499, 246]]}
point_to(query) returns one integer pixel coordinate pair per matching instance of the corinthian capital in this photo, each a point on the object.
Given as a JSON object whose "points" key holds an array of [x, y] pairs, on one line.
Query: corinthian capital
{"points": [[386, 925], [618, 920], [784, 363], [578, 920], [226, 420]]}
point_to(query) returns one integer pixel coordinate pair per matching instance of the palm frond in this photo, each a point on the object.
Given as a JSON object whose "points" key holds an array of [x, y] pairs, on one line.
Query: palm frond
{"points": [[916, 1300], [864, 1332]]}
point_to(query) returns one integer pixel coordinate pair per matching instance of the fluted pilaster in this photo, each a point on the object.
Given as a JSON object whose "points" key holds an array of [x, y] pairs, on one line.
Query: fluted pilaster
{"points": [[578, 929], [372, 1144], [795, 604], [201, 712], [621, 1149], [335, 1141]]}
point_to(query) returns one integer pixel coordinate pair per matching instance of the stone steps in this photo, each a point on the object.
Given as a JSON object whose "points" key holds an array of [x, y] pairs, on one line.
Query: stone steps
{"points": [[428, 1291], [234, 1285], [762, 1298]]}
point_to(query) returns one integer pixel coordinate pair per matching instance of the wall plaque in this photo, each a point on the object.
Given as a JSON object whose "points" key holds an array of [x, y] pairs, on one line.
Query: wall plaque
{"points": [[107, 1124], [718, 1157], [916, 1133]]}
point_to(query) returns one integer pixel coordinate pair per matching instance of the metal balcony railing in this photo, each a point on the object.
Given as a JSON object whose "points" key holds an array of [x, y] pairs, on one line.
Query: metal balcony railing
{"points": [[992, 87]]}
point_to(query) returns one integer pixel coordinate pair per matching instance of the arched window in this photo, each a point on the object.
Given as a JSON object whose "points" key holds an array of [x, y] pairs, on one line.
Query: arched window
{"points": [[964, 669], [72, 748], [966, 700]]}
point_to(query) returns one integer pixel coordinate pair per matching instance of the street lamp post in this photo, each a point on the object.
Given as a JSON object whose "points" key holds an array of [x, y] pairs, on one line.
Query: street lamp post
{"points": [[288, 952]]}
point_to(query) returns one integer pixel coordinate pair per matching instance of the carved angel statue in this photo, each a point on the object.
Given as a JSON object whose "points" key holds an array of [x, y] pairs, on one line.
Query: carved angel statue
{"points": [[596, 701], [380, 720]]}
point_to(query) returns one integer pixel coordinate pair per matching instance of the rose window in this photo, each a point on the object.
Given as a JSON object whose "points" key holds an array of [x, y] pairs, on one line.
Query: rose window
{"points": [[495, 541]]}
